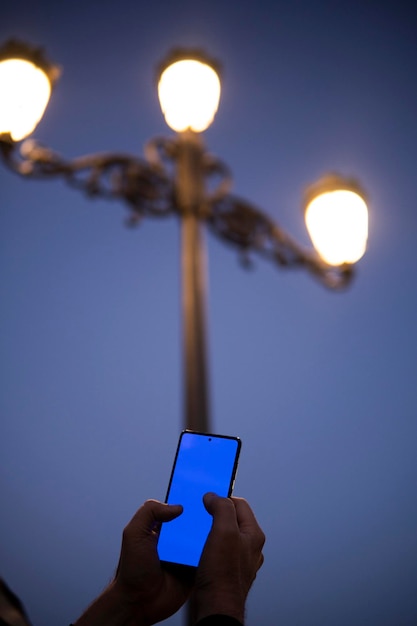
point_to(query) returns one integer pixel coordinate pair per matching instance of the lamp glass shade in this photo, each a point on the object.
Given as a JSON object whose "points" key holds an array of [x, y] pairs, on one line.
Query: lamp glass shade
{"points": [[25, 91], [337, 222], [189, 94]]}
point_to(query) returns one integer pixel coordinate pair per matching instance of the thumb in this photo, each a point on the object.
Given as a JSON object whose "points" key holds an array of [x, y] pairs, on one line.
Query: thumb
{"points": [[209, 500], [139, 557], [149, 517], [221, 509]]}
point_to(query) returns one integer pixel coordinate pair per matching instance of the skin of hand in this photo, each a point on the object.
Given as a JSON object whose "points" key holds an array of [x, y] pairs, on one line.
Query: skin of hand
{"points": [[155, 591], [230, 560], [142, 592]]}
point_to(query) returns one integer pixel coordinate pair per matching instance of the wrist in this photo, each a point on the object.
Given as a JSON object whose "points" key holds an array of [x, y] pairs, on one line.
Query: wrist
{"points": [[220, 602], [111, 608], [219, 620]]}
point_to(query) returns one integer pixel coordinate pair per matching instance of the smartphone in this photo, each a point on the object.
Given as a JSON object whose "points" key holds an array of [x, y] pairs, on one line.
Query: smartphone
{"points": [[203, 463]]}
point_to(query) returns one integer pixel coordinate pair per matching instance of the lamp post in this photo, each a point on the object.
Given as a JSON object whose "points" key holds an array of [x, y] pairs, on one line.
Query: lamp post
{"points": [[178, 176]]}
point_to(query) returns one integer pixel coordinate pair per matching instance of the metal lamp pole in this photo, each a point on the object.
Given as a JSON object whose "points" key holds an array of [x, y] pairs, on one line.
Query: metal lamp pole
{"points": [[190, 200]]}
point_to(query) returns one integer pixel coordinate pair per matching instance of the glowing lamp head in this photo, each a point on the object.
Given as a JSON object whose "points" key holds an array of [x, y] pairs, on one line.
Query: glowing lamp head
{"points": [[189, 91], [26, 81], [337, 219]]}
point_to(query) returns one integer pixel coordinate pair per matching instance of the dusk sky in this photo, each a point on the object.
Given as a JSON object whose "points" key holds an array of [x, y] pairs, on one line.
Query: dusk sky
{"points": [[320, 386]]}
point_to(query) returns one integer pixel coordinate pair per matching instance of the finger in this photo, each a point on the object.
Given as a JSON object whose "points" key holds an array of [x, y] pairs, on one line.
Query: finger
{"points": [[246, 519], [245, 516]]}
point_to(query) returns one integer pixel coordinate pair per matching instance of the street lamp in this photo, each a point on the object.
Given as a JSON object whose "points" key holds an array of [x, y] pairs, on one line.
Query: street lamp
{"points": [[178, 176]]}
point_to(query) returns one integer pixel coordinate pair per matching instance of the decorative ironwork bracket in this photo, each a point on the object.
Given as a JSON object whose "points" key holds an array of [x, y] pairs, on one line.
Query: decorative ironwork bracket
{"points": [[147, 186]]}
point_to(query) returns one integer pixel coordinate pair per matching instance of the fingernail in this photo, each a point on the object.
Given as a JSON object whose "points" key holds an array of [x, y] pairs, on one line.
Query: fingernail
{"points": [[210, 495]]}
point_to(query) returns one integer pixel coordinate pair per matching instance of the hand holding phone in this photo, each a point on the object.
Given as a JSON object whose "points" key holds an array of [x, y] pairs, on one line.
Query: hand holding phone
{"points": [[231, 558], [203, 463]]}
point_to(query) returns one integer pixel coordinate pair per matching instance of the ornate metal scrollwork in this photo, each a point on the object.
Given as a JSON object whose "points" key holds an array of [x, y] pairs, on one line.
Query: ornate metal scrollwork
{"points": [[144, 188], [247, 228], [147, 187]]}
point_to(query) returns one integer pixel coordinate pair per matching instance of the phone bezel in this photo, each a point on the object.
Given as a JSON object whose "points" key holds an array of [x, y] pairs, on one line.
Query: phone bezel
{"points": [[231, 483]]}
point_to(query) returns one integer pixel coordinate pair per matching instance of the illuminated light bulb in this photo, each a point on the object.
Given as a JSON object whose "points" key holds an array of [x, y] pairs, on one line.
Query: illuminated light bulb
{"points": [[25, 92], [189, 94], [337, 221]]}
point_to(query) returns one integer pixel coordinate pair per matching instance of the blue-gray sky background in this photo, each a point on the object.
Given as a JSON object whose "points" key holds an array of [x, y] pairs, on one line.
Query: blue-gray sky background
{"points": [[321, 387]]}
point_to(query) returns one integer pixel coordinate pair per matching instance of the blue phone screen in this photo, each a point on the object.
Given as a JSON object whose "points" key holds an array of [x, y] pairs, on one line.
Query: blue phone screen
{"points": [[203, 463]]}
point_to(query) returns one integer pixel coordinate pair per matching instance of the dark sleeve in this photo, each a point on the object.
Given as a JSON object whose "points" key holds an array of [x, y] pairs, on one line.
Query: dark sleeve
{"points": [[10, 603], [219, 620], [215, 620]]}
